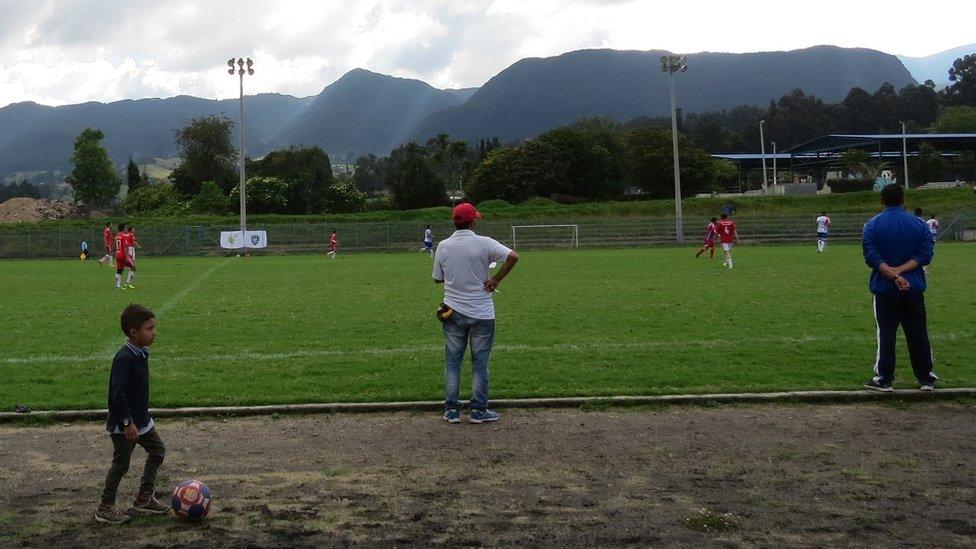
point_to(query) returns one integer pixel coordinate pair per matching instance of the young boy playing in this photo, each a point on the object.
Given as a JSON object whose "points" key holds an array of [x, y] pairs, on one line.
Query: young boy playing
{"points": [[129, 422]]}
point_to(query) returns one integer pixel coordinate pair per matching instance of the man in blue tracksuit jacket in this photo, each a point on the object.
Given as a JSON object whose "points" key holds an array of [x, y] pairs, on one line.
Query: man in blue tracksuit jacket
{"points": [[896, 246]]}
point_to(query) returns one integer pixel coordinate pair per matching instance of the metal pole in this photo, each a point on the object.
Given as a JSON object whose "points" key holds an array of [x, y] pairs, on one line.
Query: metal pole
{"points": [[678, 221], [775, 178], [241, 166], [762, 143], [904, 152]]}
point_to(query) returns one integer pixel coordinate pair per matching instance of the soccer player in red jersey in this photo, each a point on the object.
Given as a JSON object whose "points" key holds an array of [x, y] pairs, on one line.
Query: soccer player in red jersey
{"points": [[108, 237], [333, 244], [727, 234], [121, 258], [710, 231], [132, 243], [130, 256]]}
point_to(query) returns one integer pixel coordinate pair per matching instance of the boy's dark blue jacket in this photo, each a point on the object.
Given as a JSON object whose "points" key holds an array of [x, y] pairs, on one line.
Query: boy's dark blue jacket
{"points": [[895, 236], [128, 388]]}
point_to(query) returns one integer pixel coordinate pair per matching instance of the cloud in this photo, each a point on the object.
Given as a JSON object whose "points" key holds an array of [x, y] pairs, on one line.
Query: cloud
{"points": [[69, 51]]}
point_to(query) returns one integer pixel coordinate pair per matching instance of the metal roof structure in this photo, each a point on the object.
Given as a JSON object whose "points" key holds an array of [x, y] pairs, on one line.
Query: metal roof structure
{"points": [[841, 142]]}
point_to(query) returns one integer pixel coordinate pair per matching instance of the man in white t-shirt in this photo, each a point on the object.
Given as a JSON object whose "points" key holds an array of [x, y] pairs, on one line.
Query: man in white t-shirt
{"points": [[823, 231], [461, 263]]}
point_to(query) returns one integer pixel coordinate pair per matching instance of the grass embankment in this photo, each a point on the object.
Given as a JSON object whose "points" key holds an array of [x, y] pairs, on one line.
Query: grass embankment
{"points": [[941, 201]]}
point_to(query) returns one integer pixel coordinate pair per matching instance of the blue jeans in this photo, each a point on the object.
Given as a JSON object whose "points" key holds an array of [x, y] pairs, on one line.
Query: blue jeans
{"points": [[457, 331]]}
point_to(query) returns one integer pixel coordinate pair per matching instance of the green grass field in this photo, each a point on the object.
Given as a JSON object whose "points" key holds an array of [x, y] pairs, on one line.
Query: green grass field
{"points": [[361, 328]]}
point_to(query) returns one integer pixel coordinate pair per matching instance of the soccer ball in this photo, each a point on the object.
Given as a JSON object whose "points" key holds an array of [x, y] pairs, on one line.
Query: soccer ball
{"points": [[191, 500]]}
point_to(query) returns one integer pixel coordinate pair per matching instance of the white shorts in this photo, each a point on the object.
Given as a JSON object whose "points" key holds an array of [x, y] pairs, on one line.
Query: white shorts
{"points": [[727, 246]]}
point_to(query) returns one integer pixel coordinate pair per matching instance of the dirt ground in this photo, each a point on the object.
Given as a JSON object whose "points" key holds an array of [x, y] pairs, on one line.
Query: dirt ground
{"points": [[34, 209], [783, 475]]}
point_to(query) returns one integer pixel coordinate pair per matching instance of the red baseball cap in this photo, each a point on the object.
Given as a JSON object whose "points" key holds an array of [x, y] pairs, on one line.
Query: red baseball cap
{"points": [[465, 212]]}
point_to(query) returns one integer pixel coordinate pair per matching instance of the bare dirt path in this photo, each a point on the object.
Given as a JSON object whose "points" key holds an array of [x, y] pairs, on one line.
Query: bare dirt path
{"points": [[838, 475]]}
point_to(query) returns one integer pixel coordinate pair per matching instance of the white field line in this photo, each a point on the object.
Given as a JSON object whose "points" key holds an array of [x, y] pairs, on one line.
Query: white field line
{"points": [[113, 345], [597, 346]]}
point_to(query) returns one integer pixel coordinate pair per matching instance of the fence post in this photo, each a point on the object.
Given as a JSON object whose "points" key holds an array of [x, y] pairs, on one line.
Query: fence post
{"points": [[60, 241], [28, 243], [186, 240]]}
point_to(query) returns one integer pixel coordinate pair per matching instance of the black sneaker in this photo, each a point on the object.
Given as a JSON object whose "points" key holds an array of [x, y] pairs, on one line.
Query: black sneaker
{"points": [[149, 505], [111, 514], [875, 385]]}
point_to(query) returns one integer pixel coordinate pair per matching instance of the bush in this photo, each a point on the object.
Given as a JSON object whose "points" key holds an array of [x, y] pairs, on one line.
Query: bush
{"points": [[210, 201], [160, 199], [343, 197], [496, 204], [379, 204], [264, 195], [567, 199], [850, 185], [539, 201]]}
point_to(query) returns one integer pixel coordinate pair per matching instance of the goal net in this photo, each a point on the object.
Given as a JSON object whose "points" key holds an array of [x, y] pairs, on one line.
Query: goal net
{"points": [[545, 236]]}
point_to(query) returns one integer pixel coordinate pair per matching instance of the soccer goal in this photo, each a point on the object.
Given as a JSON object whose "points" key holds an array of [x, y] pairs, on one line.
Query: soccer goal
{"points": [[545, 236]]}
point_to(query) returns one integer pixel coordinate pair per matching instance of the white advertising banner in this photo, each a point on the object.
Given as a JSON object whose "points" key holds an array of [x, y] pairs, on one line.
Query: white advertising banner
{"points": [[232, 240]]}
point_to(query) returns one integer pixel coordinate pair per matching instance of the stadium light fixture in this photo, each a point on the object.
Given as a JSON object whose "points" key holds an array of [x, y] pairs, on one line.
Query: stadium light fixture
{"points": [[775, 176], [240, 62], [904, 152], [762, 145], [671, 64]]}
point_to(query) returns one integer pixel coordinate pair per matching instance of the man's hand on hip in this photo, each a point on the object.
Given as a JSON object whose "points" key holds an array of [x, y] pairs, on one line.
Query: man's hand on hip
{"points": [[491, 285]]}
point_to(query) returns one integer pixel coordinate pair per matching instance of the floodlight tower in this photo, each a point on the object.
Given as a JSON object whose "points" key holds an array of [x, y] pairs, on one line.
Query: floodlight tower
{"points": [[762, 145], [671, 64], [243, 66], [904, 152]]}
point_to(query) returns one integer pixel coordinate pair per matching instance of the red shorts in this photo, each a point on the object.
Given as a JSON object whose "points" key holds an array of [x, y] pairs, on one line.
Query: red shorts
{"points": [[121, 262], [709, 244]]}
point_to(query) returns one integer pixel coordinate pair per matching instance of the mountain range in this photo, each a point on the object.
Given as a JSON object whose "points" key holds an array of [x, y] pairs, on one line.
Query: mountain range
{"points": [[365, 112], [935, 67]]}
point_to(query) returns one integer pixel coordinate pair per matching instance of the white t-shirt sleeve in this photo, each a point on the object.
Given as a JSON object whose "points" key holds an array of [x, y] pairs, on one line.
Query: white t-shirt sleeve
{"points": [[438, 273], [497, 251]]}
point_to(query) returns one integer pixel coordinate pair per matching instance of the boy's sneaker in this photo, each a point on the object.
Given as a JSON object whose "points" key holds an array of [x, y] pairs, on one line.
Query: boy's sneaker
{"points": [[483, 416], [111, 514], [875, 385], [130, 286], [149, 504], [928, 386], [452, 416]]}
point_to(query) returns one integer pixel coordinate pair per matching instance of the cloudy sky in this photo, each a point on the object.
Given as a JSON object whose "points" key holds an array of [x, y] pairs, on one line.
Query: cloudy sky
{"points": [[69, 51]]}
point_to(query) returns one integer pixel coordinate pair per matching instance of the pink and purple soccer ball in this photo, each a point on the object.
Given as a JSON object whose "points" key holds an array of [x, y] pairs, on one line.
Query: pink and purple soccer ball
{"points": [[191, 500]]}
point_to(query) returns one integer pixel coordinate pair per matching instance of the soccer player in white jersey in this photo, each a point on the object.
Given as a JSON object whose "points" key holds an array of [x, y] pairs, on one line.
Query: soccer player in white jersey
{"points": [[428, 241], [823, 230], [933, 224]]}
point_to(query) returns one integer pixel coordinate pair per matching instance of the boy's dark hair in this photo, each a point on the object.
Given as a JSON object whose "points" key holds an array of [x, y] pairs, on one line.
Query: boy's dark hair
{"points": [[134, 316], [109, 224], [121, 227], [918, 212], [725, 216], [823, 213], [128, 228], [892, 195], [714, 220]]}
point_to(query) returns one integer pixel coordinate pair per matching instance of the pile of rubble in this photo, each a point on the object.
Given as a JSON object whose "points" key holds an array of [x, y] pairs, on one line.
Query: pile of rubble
{"points": [[33, 209]]}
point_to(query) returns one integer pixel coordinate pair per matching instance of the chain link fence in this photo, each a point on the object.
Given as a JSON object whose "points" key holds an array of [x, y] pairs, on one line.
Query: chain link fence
{"points": [[395, 236]]}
